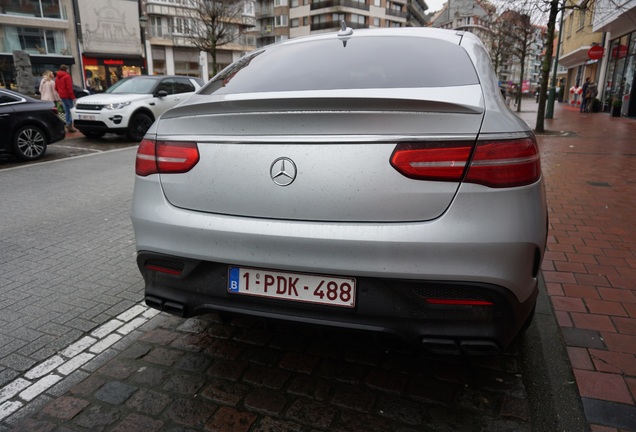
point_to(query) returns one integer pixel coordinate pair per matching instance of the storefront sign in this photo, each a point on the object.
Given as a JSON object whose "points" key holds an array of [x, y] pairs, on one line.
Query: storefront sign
{"points": [[114, 62], [595, 52], [619, 51]]}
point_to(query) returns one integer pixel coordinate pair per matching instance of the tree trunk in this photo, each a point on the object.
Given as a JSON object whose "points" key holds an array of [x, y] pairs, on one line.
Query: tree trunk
{"points": [[215, 67], [523, 65], [545, 69]]}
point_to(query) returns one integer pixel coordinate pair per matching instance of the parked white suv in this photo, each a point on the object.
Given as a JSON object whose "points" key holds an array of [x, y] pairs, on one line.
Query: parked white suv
{"points": [[131, 105]]}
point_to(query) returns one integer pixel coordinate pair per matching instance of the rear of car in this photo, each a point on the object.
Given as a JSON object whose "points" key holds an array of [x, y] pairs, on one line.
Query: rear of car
{"points": [[28, 125], [367, 179]]}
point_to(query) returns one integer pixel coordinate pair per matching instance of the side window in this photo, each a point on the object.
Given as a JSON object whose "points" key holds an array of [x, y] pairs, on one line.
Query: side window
{"points": [[7, 99], [183, 85], [167, 85]]}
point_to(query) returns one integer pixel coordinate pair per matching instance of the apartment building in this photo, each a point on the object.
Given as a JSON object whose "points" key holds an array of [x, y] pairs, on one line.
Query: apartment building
{"points": [[577, 38], [169, 48], [474, 16], [45, 30], [283, 19]]}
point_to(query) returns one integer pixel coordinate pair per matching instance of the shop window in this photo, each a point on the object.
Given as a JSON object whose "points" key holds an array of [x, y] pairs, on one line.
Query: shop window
{"points": [[186, 68], [159, 67]]}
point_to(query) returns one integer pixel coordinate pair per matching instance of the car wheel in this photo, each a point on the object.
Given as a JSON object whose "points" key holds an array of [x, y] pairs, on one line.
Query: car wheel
{"points": [[29, 143], [138, 126], [93, 134]]}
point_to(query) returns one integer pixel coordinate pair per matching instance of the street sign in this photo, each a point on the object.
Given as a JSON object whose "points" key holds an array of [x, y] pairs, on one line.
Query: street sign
{"points": [[595, 52]]}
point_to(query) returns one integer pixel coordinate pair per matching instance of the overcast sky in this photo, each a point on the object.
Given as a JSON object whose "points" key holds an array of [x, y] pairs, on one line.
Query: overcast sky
{"points": [[434, 5]]}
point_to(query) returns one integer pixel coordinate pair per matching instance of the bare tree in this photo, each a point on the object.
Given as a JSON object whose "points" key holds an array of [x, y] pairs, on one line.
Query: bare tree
{"points": [[552, 8], [214, 23], [518, 34], [498, 44]]}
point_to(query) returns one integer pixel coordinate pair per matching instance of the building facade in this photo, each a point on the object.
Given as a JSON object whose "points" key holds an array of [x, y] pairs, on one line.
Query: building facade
{"points": [[319, 16], [577, 38], [169, 49], [475, 16], [45, 30], [103, 42], [109, 41], [618, 66]]}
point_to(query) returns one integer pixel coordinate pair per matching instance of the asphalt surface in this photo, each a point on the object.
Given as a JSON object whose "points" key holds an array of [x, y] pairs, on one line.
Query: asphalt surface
{"points": [[79, 351]]}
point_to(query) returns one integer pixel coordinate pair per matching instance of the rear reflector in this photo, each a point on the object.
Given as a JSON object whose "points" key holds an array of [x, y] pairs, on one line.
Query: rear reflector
{"points": [[458, 302], [496, 164], [165, 157]]}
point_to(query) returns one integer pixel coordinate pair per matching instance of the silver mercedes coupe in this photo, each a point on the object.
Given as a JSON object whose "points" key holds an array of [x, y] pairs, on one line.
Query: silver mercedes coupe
{"points": [[364, 179]]}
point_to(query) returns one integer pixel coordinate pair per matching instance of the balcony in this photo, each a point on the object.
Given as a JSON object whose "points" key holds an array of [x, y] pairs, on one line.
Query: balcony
{"points": [[396, 13], [32, 10], [417, 10], [264, 11], [334, 3]]}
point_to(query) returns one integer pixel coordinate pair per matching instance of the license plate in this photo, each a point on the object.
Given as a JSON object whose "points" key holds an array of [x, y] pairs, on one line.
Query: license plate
{"points": [[300, 287], [86, 117]]}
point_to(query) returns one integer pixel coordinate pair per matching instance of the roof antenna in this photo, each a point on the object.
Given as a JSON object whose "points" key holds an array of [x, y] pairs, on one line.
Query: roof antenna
{"points": [[345, 32]]}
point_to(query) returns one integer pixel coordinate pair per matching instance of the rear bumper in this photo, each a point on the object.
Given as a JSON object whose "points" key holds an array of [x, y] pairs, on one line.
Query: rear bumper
{"points": [[58, 133], [97, 126], [394, 306]]}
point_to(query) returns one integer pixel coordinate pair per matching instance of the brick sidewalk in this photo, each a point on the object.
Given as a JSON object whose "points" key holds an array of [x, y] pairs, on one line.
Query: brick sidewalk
{"points": [[590, 263]]}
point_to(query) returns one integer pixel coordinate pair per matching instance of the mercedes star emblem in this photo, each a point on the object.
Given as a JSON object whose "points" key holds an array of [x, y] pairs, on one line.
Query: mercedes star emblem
{"points": [[283, 171]]}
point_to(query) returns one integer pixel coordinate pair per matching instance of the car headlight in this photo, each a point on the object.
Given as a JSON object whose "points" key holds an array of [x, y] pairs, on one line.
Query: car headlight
{"points": [[115, 106]]}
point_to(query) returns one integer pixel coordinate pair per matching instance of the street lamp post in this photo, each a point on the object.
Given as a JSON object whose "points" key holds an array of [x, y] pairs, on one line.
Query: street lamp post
{"points": [[143, 22]]}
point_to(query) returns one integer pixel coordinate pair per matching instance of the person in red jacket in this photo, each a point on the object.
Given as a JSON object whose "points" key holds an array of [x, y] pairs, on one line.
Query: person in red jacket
{"points": [[64, 87]]}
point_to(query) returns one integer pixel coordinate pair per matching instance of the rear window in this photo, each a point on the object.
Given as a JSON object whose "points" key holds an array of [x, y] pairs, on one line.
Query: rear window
{"points": [[364, 62]]}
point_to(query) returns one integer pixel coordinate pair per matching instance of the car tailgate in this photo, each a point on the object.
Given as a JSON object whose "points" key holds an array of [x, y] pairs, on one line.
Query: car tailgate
{"points": [[338, 160]]}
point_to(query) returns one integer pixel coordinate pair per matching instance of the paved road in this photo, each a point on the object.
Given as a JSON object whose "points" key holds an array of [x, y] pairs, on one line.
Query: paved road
{"points": [[66, 254], [79, 352], [75, 144]]}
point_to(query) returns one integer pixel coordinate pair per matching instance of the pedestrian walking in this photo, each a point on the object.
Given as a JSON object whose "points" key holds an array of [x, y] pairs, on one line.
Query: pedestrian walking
{"points": [[64, 87], [586, 84], [47, 88], [590, 95]]}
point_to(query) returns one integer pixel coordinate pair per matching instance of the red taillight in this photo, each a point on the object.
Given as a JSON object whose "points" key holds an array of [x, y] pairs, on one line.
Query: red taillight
{"points": [[441, 161], [496, 164], [509, 163], [165, 157]]}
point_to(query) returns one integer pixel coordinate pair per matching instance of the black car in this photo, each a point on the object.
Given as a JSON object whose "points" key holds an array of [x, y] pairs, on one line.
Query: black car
{"points": [[28, 125]]}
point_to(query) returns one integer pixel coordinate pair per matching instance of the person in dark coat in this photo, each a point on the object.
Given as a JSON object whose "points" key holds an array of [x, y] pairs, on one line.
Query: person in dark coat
{"points": [[586, 84]]}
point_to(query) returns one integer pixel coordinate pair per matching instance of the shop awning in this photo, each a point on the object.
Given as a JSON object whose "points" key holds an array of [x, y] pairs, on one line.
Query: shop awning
{"points": [[576, 57]]}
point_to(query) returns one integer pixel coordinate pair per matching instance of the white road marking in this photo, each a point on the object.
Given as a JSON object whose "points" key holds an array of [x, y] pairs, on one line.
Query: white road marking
{"points": [[47, 373]]}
